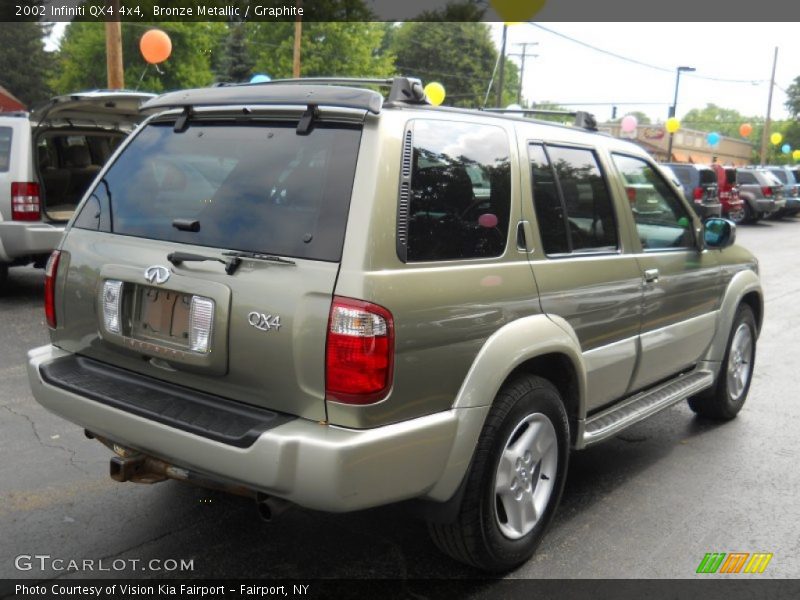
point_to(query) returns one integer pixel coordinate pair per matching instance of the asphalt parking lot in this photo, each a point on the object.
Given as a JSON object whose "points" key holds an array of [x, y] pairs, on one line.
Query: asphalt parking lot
{"points": [[649, 503]]}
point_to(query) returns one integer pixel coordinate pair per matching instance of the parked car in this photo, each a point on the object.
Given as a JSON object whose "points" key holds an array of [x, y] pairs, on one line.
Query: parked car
{"points": [[699, 185], [309, 300], [732, 204], [48, 159], [761, 191], [791, 189]]}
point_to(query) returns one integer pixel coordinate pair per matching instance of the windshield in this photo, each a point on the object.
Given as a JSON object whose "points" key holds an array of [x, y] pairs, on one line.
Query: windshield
{"points": [[256, 186]]}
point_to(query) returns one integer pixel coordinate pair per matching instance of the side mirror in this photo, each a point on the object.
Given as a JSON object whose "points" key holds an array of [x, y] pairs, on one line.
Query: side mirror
{"points": [[719, 233]]}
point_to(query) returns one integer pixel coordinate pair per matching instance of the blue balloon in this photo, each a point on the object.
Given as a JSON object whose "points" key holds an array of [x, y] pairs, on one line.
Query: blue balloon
{"points": [[260, 78], [713, 138], [786, 148]]}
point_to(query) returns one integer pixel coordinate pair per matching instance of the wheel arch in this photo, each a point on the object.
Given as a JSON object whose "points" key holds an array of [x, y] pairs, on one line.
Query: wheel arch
{"points": [[536, 345]]}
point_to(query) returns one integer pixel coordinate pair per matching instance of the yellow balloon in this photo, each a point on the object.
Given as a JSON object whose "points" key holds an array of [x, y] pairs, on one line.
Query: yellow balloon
{"points": [[435, 93], [776, 138], [796, 155], [516, 11], [673, 125]]}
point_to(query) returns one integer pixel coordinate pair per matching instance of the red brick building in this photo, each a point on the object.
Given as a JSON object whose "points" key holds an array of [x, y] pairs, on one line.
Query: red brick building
{"points": [[8, 102]]}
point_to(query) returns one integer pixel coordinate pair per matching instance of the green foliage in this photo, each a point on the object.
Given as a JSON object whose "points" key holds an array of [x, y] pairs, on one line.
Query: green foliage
{"points": [[235, 63], [335, 49], [24, 65], [725, 121], [82, 56], [793, 98], [460, 56]]}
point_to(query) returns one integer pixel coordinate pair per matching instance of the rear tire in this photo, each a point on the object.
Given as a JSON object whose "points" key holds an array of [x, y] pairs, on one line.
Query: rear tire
{"points": [[750, 216], [724, 401], [515, 481], [3, 275]]}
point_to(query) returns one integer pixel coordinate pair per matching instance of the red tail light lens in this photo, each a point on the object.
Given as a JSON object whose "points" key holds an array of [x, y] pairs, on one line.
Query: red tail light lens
{"points": [[767, 191], [631, 192], [50, 273], [698, 195], [359, 352], [25, 205]]}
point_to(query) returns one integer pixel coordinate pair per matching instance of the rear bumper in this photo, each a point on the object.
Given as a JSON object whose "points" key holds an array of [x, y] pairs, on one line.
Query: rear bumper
{"points": [[769, 205], [315, 465], [706, 210], [20, 239]]}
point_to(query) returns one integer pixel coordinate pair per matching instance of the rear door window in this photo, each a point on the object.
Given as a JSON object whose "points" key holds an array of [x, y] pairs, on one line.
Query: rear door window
{"points": [[5, 148], [571, 199], [256, 187], [707, 177]]}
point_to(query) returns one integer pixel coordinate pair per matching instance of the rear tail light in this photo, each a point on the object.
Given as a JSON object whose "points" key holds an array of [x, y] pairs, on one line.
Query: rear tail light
{"points": [[50, 273], [631, 192], [359, 352], [25, 205], [201, 322], [112, 305], [767, 191], [698, 195]]}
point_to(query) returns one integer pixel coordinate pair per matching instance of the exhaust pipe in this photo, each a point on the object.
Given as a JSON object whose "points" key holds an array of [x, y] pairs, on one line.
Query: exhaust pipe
{"points": [[269, 507]]}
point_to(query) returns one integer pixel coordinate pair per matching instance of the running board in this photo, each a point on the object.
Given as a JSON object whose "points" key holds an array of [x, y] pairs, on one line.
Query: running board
{"points": [[642, 405]]}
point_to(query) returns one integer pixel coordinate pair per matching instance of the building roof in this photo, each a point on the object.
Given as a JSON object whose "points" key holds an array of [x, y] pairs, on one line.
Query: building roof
{"points": [[9, 102]]}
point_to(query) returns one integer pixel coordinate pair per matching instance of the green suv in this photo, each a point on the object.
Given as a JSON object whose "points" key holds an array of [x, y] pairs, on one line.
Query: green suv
{"points": [[310, 294]]}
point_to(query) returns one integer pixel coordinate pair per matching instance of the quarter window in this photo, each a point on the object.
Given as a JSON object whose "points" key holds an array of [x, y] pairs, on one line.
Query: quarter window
{"points": [[571, 199], [661, 219], [458, 199], [5, 148]]}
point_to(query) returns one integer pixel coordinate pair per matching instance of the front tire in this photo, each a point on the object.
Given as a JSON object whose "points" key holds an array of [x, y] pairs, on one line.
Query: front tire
{"points": [[724, 401], [515, 480]]}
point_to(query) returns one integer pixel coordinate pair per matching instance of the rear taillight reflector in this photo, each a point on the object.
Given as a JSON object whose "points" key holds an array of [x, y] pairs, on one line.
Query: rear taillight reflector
{"points": [[25, 205], [112, 305], [698, 195], [50, 273], [201, 323], [767, 191], [359, 352]]}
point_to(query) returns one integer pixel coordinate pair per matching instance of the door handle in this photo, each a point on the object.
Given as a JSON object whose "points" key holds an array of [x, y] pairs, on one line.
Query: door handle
{"points": [[650, 275]]}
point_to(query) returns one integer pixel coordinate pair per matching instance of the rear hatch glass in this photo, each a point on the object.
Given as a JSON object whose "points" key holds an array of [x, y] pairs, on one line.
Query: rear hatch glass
{"points": [[5, 148], [259, 188]]}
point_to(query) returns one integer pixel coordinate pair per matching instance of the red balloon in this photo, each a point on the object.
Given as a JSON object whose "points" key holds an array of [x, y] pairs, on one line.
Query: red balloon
{"points": [[745, 129], [155, 46]]}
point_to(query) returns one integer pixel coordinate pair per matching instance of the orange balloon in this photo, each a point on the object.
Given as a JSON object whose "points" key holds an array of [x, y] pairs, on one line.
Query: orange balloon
{"points": [[745, 129], [155, 46]]}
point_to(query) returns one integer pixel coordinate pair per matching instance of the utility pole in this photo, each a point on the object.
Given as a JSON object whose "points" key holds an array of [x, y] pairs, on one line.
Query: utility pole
{"points": [[763, 157], [522, 56], [116, 76], [502, 68], [298, 33]]}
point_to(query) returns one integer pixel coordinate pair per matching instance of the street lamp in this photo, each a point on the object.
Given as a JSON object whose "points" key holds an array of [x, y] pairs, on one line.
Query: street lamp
{"points": [[674, 106]]}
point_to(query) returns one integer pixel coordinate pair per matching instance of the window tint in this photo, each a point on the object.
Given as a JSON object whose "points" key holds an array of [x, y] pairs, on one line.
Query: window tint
{"points": [[745, 177], [5, 148], [661, 219], [571, 200], [707, 176], [254, 187], [460, 192]]}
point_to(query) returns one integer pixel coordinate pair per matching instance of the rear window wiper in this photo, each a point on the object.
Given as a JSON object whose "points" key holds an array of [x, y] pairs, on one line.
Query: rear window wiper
{"points": [[259, 256], [231, 264]]}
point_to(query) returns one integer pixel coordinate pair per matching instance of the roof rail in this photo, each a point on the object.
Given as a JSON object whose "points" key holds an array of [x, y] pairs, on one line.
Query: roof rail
{"points": [[582, 118], [407, 90]]}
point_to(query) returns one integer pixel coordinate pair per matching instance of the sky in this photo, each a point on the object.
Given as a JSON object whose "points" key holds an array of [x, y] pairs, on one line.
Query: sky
{"points": [[567, 72]]}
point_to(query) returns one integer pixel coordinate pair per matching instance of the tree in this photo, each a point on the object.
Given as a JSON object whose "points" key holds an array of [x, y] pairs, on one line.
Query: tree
{"points": [[24, 64], [328, 49], [725, 121], [82, 56], [461, 56], [235, 63]]}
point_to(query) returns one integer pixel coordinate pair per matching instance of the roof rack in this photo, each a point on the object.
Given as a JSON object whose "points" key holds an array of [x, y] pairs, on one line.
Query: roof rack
{"points": [[583, 119]]}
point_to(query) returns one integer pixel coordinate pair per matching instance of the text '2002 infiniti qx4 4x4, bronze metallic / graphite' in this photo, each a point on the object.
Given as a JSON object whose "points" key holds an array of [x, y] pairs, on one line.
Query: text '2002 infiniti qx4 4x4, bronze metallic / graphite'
{"points": [[309, 293]]}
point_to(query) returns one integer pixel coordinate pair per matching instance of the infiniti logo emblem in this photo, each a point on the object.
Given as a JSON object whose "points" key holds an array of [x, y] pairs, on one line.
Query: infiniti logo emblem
{"points": [[156, 274]]}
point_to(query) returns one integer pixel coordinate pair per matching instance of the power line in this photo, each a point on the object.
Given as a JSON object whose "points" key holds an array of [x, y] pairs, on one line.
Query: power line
{"points": [[639, 62]]}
